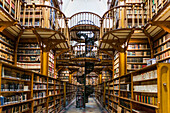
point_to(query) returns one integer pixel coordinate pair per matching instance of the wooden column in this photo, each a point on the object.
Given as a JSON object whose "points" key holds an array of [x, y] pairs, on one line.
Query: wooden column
{"points": [[122, 63], [70, 77], [104, 94], [44, 63], [112, 67], [64, 94], [100, 78]]}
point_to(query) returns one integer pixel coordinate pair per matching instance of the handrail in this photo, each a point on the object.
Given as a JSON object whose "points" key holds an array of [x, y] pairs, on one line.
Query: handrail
{"points": [[44, 16], [153, 7], [84, 18], [82, 51], [131, 15], [124, 16], [12, 7]]}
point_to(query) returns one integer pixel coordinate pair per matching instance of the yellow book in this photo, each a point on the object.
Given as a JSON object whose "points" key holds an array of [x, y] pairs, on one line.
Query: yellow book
{"points": [[153, 100]]}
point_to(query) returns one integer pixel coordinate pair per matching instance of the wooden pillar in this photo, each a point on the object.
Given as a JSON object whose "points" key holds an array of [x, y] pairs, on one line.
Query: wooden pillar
{"points": [[112, 68], [122, 63], [70, 77], [100, 78], [104, 94], [44, 63], [64, 94]]}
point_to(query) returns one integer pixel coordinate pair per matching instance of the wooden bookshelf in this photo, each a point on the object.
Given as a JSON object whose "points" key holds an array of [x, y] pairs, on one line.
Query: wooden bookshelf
{"points": [[162, 49], [137, 55], [51, 64], [6, 49], [28, 56], [138, 91], [37, 92]]}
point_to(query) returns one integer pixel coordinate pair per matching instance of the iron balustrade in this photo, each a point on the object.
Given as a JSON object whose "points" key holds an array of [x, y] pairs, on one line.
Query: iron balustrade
{"points": [[85, 51], [84, 18]]}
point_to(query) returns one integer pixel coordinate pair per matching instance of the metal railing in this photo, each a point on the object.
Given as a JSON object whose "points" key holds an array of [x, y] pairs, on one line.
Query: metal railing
{"points": [[84, 18], [85, 51]]}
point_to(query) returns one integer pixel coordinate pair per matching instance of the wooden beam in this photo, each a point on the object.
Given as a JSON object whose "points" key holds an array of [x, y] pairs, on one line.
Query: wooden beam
{"points": [[150, 40], [165, 28], [5, 24], [16, 46], [38, 38], [108, 53], [62, 52], [162, 24], [128, 38]]}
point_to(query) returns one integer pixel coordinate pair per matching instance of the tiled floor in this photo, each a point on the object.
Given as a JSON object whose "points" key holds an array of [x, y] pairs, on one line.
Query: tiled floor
{"points": [[91, 107]]}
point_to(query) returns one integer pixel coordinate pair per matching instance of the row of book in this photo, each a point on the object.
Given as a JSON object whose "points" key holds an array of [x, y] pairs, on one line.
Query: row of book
{"points": [[162, 48], [51, 64], [125, 79], [50, 92], [134, 1], [32, 52], [134, 66], [29, 65], [13, 99], [125, 103], [35, 1], [40, 109], [161, 40], [40, 101], [125, 94], [146, 99], [106, 57], [7, 40], [116, 55], [6, 72], [136, 53], [122, 110], [138, 46], [51, 81], [145, 76], [50, 86], [14, 87], [28, 58], [116, 87], [163, 56], [116, 81], [39, 79], [6, 48], [6, 56], [166, 61], [50, 71], [125, 87], [39, 87], [39, 94], [139, 60], [28, 46], [17, 108], [146, 88]]}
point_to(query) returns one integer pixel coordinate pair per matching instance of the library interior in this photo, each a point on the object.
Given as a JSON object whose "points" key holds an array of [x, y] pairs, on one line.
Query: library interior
{"points": [[84, 56]]}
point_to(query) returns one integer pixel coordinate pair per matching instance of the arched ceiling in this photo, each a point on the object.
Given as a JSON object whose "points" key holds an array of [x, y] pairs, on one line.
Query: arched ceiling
{"points": [[71, 7]]}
